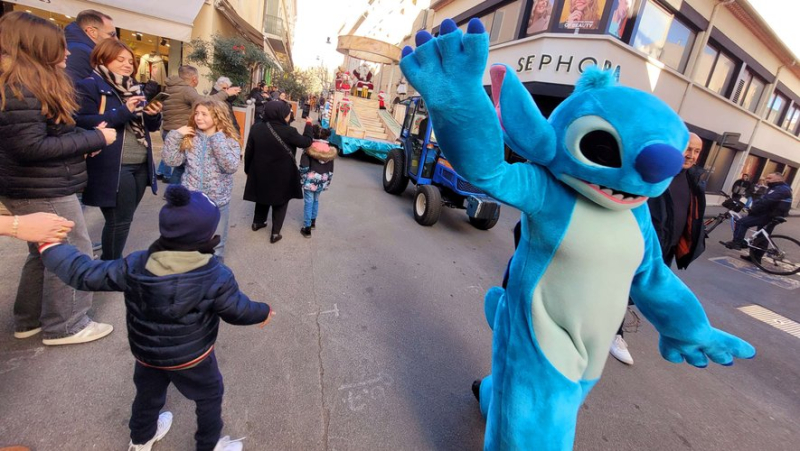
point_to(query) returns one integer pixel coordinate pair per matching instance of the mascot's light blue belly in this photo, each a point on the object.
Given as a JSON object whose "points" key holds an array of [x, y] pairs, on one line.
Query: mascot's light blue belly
{"points": [[580, 300]]}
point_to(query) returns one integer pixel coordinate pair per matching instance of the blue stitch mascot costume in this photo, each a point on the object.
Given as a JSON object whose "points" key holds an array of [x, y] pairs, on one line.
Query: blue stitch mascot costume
{"points": [[587, 240]]}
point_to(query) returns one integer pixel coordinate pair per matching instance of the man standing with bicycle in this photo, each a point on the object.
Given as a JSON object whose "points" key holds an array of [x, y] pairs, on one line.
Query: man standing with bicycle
{"points": [[776, 202], [677, 217]]}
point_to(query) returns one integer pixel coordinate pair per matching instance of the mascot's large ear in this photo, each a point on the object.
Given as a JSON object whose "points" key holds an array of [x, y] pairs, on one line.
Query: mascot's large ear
{"points": [[525, 130], [596, 78]]}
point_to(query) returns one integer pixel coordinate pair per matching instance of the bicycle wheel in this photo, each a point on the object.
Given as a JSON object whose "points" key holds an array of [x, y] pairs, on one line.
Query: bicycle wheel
{"points": [[781, 258]]}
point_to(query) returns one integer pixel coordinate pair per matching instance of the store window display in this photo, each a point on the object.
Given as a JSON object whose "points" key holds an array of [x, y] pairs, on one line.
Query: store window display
{"points": [[152, 67]]}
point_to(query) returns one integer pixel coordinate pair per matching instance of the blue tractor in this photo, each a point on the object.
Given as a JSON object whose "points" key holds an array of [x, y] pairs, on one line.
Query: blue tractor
{"points": [[420, 161]]}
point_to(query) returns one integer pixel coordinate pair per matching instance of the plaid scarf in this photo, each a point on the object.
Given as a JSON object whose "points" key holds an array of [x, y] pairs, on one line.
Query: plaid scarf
{"points": [[126, 88]]}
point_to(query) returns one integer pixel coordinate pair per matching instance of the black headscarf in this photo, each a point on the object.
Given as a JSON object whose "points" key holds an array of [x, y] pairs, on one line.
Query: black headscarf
{"points": [[276, 111]]}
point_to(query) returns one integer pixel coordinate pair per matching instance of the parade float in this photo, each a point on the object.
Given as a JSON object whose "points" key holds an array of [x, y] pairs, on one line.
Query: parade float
{"points": [[354, 115]]}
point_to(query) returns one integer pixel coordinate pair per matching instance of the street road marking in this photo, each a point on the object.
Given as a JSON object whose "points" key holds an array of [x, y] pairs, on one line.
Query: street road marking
{"points": [[772, 318], [364, 392], [737, 264], [334, 311], [15, 362]]}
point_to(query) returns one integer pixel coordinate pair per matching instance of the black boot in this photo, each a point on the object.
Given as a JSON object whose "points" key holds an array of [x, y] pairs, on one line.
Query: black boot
{"points": [[476, 389], [306, 232], [275, 238], [257, 226], [313, 223]]}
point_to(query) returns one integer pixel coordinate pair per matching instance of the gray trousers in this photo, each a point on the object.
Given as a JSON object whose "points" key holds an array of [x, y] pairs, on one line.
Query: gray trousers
{"points": [[42, 298]]}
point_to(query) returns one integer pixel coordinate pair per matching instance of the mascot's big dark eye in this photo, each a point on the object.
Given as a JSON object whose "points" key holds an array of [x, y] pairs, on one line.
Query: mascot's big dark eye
{"points": [[601, 147]]}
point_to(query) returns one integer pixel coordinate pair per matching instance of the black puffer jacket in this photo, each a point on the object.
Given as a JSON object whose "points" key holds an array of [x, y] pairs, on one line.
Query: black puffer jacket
{"points": [[38, 158], [172, 319]]}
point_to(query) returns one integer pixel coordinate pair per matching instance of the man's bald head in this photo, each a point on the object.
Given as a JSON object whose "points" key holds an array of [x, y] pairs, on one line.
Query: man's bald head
{"points": [[692, 151]]}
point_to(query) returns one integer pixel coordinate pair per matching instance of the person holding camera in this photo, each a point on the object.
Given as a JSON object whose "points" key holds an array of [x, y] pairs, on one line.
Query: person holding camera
{"points": [[119, 175]]}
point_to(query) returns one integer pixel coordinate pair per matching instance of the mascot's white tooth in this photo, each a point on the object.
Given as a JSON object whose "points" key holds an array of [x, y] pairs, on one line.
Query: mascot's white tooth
{"points": [[595, 186], [618, 196], [607, 191]]}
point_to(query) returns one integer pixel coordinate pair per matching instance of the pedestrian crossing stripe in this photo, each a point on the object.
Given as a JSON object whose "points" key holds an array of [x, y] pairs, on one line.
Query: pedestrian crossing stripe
{"points": [[772, 318]]}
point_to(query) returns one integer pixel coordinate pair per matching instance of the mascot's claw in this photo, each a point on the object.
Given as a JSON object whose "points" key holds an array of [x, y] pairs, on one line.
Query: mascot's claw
{"points": [[721, 347], [455, 57]]}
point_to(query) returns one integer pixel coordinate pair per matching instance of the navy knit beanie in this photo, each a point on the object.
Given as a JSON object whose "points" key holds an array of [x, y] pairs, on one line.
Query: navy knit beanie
{"points": [[189, 217]]}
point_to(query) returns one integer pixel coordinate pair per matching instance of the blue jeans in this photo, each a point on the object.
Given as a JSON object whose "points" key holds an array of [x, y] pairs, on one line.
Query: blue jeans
{"points": [[201, 384], [163, 170], [132, 184], [173, 175], [222, 230], [43, 300], [745, 223], [310, 206]]}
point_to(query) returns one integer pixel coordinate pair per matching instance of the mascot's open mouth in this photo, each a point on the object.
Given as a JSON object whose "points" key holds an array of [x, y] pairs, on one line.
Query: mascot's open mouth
{"points": [[616, 195], [610, 198]]}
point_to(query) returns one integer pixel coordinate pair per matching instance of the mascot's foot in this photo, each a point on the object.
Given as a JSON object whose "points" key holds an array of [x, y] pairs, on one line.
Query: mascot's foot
{"points": [[476, 389]]}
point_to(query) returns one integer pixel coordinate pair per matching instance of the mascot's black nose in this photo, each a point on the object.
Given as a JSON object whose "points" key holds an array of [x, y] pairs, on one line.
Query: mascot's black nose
{"points": [[658, 162]]}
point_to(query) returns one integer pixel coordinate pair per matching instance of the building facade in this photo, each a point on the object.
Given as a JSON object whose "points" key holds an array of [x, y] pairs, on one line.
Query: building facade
{"points": [[716, 63], [156, 27], [279, 20]]}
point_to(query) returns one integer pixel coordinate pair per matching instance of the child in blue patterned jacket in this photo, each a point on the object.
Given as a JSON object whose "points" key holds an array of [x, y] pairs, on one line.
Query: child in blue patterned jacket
{"points": [[210, 149], [316, 172]]}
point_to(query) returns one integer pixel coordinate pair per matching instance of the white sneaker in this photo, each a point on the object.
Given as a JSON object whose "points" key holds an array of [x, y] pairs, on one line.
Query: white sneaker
{"points": [[619, 349], [164, 423], [27, 334], [94, 331], [226, 444]]}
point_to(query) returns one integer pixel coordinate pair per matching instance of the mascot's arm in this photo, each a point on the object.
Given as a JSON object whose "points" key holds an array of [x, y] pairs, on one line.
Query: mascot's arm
{"points": [[674, 310], [448, 72]]}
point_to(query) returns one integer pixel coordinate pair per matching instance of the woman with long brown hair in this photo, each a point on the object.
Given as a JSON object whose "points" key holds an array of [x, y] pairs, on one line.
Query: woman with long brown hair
{"points": [[120, 174], [42, 155], [209, 148]]}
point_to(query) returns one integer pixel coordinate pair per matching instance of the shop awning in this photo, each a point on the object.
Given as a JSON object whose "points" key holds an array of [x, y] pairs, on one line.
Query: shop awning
{"points": [[247, 31], [168, 19]]}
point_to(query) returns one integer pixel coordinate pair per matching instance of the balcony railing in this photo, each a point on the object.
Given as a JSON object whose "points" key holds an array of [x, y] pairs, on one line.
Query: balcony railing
{"points": [[274, 25]]}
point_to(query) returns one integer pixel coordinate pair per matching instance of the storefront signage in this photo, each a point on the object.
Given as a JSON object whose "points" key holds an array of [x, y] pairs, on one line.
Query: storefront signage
{"points": [[561, 63]]}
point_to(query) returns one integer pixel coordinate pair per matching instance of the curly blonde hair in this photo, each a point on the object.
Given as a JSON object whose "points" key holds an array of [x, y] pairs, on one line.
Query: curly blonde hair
{"points": [[222, 121]]}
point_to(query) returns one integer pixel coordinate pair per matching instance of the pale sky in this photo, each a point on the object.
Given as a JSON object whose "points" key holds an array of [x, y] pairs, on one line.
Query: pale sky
{"points": [[318, 20], [781, 15]]}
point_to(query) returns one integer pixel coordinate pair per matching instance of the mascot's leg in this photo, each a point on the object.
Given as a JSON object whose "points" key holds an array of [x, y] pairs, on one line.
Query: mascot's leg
{"points": [[527, 403], [490, 302]]}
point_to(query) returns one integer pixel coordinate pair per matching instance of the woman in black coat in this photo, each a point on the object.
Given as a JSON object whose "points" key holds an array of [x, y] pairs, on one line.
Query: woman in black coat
{"points": [[269, 162]]}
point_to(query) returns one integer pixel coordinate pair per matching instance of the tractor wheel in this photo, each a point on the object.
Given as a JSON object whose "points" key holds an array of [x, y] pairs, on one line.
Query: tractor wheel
{"points": [[483, 224], [427, 205], [395, 180]]}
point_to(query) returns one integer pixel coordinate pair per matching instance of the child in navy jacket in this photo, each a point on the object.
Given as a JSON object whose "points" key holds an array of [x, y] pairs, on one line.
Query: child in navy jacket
{"points": [[175, 294]]}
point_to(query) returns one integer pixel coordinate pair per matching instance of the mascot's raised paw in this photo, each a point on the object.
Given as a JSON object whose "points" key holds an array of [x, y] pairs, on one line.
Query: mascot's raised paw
{"points": [[721, 347], [442, 69]]}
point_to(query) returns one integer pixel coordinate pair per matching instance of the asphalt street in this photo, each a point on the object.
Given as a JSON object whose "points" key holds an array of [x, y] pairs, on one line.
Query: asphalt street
{"points": [[378, 335]]}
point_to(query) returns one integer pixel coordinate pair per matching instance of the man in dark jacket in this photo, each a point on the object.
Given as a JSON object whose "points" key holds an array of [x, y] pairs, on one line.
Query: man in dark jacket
{"points": [[777, 202], [742, 186], [89, 29], [677, 217], [175, 294]]}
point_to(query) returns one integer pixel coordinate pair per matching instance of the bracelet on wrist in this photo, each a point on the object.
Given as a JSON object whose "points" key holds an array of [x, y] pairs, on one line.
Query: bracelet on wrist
{"points": [[15, 227]]}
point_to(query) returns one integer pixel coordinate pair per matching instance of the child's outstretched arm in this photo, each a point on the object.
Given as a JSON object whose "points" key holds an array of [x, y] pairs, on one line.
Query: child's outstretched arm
{"points": [[79, 271], [234, 307]]}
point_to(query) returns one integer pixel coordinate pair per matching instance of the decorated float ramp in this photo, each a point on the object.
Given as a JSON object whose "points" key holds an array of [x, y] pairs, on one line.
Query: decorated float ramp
{"points": [[357, 123]]}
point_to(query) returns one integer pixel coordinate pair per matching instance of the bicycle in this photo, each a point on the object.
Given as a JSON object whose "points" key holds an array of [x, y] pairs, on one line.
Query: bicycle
{"points": [[733, 212], [774, 254]]}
